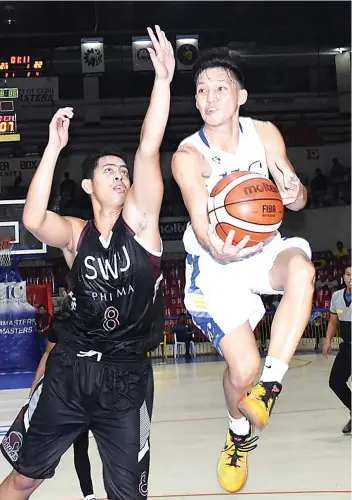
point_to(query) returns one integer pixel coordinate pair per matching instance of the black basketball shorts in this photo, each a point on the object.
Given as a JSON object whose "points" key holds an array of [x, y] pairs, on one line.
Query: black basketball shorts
{"points": [[113, 400]]}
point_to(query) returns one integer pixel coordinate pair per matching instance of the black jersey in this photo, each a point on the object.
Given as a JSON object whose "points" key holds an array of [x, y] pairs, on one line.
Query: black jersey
{"points": [[112, 301]]}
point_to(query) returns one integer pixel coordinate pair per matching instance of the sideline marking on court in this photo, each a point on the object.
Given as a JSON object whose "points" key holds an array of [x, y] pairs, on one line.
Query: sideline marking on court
{"points": [[244, 493]]}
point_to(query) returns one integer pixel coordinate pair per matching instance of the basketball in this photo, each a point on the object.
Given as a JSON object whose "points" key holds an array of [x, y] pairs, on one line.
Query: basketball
{"points": [[247, 203]]}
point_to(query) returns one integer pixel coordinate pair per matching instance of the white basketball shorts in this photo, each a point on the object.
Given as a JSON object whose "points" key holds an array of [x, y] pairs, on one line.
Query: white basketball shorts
{"points": [[221, 297]]}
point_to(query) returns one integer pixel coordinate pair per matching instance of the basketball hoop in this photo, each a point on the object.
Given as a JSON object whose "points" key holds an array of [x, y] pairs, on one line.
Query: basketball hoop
{"points": [[5, 252]]}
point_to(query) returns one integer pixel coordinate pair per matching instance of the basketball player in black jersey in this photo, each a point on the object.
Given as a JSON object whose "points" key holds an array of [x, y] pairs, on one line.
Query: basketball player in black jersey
{"points": [[99, 377]]}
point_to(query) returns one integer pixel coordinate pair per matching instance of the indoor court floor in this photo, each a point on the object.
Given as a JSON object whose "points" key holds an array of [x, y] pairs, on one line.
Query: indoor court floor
{"points": [[302, 454]]}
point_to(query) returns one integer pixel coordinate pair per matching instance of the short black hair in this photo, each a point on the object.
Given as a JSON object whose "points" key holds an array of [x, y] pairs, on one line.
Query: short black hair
{"points": [[91, 162], [221, 57]]}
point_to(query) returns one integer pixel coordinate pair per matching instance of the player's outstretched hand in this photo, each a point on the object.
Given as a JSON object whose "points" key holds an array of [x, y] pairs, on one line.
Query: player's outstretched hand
{"points": [[226, 252], [288, 184], [58, 128], [162, 55]]}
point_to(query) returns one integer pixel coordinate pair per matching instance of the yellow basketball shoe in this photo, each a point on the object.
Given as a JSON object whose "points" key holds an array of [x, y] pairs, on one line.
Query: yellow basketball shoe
{"points": [[259, 403], [232, 466]]}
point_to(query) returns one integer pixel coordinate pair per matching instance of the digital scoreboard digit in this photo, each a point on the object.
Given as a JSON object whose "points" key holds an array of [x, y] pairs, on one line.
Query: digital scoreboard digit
{"points": [[9, 93], [8, 118]]}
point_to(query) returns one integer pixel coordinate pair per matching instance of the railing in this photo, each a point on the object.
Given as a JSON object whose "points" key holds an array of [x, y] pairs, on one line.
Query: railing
{"points": [[311, 340]]}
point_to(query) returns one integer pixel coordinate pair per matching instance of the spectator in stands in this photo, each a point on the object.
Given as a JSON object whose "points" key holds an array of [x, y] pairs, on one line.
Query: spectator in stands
{"points": [[319, 186], [68, 185], [340, 250], [17, 191], [42, 319], [337, 175], [337, 170], [68, 204], [320, 282], [319, 263], [340, 320], [330, 283], [316, 324], [183, 333]]}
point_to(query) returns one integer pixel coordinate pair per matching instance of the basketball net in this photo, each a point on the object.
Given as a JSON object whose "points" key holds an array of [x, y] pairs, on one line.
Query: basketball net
{"points": [[5, 252]]}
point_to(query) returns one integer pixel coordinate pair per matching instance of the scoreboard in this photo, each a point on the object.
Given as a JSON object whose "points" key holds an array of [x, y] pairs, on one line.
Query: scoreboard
{"points": [[8, 118], [21, 66]]}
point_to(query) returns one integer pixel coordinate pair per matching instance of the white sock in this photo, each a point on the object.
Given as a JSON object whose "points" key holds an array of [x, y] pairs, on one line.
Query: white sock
{"points": [[90, 497], [239, 425], [274, 370]]}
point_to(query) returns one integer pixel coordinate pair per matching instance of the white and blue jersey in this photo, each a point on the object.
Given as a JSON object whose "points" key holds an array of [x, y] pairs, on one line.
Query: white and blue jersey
{"points": [[250, 156], [221, 297]]}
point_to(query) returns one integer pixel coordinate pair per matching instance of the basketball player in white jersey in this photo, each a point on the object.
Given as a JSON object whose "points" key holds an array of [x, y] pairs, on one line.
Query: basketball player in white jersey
{"points": [[224, 281]]}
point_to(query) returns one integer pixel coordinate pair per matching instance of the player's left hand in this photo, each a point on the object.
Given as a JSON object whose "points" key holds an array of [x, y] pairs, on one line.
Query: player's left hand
{"points": [[162, 55], [226, 251], [288, 183]]}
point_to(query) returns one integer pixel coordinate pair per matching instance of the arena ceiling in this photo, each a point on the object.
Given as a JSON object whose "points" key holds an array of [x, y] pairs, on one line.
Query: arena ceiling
{"points": [[311, 23]]}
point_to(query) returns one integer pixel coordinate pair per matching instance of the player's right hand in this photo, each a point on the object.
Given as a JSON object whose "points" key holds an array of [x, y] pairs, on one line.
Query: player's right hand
{"points": [[162, 55], [225, 252], [58, 128], [327, 348]]}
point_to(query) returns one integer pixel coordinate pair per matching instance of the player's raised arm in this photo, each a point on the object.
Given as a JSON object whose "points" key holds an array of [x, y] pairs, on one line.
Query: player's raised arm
{"points": [[147, 190], [48, 227]]}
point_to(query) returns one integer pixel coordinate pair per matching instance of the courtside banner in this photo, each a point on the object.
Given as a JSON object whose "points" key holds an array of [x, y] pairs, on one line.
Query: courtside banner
{"points": [[19, 349]]}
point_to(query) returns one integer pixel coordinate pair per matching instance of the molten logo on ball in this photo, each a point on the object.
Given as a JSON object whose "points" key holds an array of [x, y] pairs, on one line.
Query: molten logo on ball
{"points": [[260, 188]]}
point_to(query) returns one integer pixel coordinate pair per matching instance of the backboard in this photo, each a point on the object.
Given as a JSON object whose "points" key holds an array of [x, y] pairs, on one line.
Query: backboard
{"points": [[11, 226]]}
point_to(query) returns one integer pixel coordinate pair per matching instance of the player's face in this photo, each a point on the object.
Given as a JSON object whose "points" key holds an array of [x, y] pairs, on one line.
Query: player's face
{"points": [[111, 181], [347, 277], [218, 96]]}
